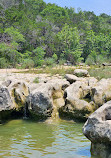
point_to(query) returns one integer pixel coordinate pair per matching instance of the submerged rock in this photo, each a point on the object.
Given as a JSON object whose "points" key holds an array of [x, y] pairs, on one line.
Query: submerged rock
{"points": [[98, 130]]}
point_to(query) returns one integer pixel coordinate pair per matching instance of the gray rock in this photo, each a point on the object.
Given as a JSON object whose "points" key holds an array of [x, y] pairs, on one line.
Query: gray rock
{"points": [[45, 98], [75, 106], [101, 150], [98, 130], [7, 83], [81, 73], [71, 78], [5, 99], [18, 92], [101, 92]]}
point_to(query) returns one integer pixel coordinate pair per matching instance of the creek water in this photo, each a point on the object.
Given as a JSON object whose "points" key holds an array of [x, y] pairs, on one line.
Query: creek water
{"points": [[27, 139]]}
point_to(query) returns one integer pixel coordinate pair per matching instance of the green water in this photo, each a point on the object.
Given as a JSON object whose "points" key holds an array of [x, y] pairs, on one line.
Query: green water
{"points": [[26, 139]]}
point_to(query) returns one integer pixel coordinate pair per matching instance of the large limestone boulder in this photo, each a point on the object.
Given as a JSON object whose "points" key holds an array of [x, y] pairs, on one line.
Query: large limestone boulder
{"points": [[18, 92], [47, 98], [81, 73], [101, 93], [76, 109], [40, 101], [71, 78], [98, 130], [5, 104], [5, 99], [75, 106], [62, 83]]}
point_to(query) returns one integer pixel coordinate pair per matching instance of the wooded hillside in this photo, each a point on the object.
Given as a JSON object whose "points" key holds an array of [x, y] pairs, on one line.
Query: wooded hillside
{"points": [[33, 33]]}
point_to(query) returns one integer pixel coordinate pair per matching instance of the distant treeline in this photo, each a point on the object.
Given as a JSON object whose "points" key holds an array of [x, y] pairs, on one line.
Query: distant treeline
{"points": [[33, 33]]}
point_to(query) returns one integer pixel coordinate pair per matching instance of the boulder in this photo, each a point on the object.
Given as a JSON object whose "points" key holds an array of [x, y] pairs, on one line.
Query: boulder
{"points": [[46, 98], [75, 90], [5, 99], [71, 78], [101, 92], [5, 104], [62, 83], [75, 107], [6, 83], [81, 73], [98, 130], [40, 102], [18, 92], [92, 81]]}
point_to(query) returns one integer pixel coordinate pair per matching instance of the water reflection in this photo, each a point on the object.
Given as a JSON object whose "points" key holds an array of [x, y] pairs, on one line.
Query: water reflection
{"points": [[26, 139]]}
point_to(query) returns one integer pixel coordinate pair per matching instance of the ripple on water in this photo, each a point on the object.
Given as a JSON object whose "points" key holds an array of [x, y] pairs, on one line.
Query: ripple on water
{"points": [[26, 139]]}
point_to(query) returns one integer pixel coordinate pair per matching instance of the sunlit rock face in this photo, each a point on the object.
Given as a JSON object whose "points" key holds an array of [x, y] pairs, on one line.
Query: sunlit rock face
{"points": [[19, 92], [98, 130], [13, 96], [40, 102], [5, 99], [81, 73], [76, 107], [101, 92], [5, 104], [45, 100]]}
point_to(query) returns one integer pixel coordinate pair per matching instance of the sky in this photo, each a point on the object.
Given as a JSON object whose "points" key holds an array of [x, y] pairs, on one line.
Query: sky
{"points": [[97, 6]]}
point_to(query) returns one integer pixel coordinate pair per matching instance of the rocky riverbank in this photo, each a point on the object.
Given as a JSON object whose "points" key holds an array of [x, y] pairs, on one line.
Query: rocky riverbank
{"points": [[74, 97]]}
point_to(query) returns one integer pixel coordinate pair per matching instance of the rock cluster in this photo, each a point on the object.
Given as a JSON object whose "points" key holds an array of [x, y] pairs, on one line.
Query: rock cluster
{"points": [[74, 97]]}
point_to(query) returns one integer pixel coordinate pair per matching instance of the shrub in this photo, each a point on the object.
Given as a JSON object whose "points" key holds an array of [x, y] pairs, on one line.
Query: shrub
{"points": [[38, 56], [54, 57], [49, 62], [62, 61], [101, 59], [3, 63], [89, 60], [28, 63]]}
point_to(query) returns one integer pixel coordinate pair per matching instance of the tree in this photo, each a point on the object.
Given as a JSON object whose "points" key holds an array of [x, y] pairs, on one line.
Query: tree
{"points": [[69, 38], [10, 49], [38, 56]]}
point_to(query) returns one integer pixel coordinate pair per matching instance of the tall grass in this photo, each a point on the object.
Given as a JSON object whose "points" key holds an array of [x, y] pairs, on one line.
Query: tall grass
{"points": [[94, 71], [52, 71], [99, 73]]}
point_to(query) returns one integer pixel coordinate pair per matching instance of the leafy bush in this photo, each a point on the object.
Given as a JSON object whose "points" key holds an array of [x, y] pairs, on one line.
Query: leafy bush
{"points": [[89, 60], [28, 63], [101, 59], [96, 59], [54, 57], [38, 56], [49, 62], [62, 61], [3, 63]]}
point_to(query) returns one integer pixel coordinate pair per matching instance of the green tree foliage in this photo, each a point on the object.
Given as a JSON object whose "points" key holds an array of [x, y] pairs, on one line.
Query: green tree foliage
{"points": [[38, 56], [69, 38], [97, 45], [10, 49], [32, 32]]}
